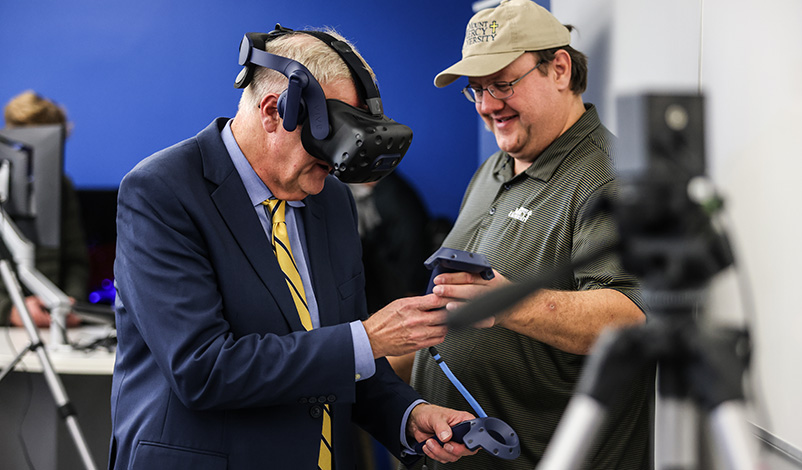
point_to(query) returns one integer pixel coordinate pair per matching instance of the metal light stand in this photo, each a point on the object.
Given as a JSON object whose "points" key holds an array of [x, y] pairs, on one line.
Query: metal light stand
{"points": [[21, 253], [58, 303]]}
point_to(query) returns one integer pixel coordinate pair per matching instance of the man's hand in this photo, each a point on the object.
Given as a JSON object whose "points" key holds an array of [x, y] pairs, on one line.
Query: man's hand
{"points": [[406, 325], [567, 320], [39, 314], [427, 420], [460, 287]]}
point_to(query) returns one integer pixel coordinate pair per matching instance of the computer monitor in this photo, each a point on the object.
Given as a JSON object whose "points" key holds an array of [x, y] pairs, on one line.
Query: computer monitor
{"points": [[34, 160], [17, 157]]}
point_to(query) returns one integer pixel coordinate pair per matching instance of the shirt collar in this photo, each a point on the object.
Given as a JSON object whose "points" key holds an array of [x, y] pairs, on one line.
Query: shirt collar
{"points": [[547, 163], [256, 188]]}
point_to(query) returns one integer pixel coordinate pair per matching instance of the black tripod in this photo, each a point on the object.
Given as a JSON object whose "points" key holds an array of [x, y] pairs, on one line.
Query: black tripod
{"points": [[696, 367], [669, 242], [9, 274]]}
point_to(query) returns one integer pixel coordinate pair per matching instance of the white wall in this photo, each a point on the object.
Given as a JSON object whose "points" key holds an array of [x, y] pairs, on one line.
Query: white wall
{"points": [[746, 57]]}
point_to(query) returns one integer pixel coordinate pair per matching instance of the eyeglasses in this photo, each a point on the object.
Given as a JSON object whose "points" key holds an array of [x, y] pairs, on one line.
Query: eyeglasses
{"points": [[498, 90]]}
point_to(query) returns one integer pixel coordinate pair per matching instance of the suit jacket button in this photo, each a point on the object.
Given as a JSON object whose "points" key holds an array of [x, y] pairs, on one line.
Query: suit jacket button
{"points": [[315, 411], [332, 398]]}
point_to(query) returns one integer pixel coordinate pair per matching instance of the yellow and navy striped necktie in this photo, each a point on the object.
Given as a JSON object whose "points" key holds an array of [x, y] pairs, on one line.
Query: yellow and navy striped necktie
{"points": [[281, 247]]}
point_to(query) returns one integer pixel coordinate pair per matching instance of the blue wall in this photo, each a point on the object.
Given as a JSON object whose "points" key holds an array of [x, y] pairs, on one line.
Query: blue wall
{"points": [[136, 77]]}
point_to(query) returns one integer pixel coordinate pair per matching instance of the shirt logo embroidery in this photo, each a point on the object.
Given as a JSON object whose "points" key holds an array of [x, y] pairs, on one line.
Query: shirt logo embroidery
{"points": [[520, 213]]}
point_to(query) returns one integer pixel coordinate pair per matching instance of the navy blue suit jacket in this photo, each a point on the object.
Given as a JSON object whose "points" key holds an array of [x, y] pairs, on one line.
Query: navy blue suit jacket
{"points": [[214, 369]]}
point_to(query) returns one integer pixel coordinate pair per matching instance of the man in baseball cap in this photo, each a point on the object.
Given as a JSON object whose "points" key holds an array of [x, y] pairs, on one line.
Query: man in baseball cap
{"points": [[496, 37], [527, 210]]}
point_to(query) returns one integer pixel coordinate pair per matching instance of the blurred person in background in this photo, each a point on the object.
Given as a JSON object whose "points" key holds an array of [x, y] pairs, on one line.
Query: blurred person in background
{"points": [[67, 265]]}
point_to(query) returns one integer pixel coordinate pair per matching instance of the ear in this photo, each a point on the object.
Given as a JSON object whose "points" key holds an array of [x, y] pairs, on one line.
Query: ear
{"points": [[561, 67], [268, 113]]}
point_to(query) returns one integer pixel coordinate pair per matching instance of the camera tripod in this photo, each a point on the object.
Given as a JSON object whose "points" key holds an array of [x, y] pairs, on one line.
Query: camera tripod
{"points": [[696, 366], [669, 241], [40, 285]]}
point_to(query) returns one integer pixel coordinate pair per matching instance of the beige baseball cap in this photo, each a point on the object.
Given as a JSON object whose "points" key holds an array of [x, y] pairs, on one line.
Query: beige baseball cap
{"points": [[497, 36]]}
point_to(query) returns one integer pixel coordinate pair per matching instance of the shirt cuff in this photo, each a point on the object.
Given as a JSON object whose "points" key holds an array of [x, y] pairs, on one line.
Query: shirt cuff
{"points": [[364, 364], [407, 449]]}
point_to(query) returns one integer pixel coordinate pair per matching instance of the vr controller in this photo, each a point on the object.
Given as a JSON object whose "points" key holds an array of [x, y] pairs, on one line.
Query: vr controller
{"points": [[491, 434], [449, 260]]}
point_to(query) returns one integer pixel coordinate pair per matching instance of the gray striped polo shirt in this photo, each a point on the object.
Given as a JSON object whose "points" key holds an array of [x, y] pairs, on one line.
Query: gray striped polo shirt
{"points": [[527, 225]]}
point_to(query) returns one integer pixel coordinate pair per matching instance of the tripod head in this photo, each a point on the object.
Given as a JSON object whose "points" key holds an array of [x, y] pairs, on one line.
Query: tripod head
{"points": [[665, 203], [668, 239]]}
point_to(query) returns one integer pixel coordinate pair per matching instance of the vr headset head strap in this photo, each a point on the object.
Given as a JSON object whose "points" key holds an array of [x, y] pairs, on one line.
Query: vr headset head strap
{"points": [[302, 83], [365, 84]]}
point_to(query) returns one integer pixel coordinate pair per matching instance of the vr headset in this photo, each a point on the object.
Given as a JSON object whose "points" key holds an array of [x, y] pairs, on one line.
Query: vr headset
{"points": [[360, 145]]}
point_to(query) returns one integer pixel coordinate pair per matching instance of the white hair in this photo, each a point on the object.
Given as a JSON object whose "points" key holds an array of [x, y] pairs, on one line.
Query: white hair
{"points": [[322, 61]]}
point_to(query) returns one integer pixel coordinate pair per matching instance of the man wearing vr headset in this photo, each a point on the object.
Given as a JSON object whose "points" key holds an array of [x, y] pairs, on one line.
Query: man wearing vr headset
{"points": [[215, 368], [527, 209]]}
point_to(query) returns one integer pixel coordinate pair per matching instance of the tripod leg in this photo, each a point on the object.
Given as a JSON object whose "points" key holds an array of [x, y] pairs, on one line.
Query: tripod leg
{"points": [[574, 434], [53, 381], [65, 408], [728, 424], [718, 379], [617, 356], [676, 417], [676, 436]]}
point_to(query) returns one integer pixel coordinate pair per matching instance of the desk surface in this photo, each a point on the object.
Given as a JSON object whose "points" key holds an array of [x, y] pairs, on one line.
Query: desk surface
{"points": [[65, 359]]}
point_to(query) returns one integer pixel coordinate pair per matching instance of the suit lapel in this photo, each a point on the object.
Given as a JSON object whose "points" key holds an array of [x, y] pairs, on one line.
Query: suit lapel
{"points": [[235, 208], [319, 259]]}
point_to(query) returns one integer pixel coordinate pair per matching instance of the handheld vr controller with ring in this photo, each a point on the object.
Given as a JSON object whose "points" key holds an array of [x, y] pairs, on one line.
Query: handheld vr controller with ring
{"points": [[360, 145], [491, 434], [449, 260]]}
